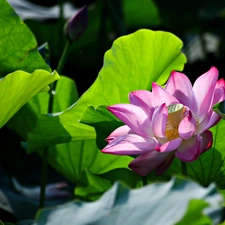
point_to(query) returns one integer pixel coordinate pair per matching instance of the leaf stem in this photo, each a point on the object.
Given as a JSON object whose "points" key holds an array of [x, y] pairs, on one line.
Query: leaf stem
{"points": [[44, 166], [184, 168]]}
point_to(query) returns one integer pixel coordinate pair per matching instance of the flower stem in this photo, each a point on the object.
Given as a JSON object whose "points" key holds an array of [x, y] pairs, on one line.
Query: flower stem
{"points": [[59, 70], [144, 180], [43, 178], [184, 168], [63, 57], [44, 166]]}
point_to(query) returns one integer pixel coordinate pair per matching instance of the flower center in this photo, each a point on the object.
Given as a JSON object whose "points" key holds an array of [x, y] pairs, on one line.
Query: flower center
{"points": [[175, 115]]}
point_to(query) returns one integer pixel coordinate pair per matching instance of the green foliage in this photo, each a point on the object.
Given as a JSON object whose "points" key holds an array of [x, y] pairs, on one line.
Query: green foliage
{"points": [[219, 108], [18, 47], [143, 13], [159, 203], [19, 87], [133, 62], [194, 214], [65, 90], [91, 186], [71, 159], [128, 66], [102, 120]]}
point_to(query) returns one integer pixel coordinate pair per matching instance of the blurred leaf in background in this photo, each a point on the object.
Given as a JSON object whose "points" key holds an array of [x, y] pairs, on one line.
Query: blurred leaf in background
{"points": [[158, 203]]}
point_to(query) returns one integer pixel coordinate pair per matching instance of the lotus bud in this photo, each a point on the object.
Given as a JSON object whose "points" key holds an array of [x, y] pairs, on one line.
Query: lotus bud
{"points": [[77, 24]]}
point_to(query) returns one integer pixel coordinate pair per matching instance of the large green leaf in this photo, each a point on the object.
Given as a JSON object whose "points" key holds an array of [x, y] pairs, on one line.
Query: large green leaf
{"points": [[71, 159], [210, 167], [133, 62], [19, 87], [159, 203], [18, 47]]}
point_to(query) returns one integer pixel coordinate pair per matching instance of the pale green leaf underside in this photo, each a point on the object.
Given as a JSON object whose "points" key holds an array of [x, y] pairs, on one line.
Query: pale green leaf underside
{"points": [[18, 88]]}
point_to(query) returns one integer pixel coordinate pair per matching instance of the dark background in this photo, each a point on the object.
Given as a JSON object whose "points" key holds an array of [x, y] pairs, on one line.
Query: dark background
{"points": [[200, 24]]}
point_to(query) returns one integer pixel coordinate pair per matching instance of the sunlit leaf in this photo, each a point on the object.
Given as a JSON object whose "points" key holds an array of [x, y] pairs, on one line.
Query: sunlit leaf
{"points": [[18, 88], [65, 90], [133, 62], [129, 65]]}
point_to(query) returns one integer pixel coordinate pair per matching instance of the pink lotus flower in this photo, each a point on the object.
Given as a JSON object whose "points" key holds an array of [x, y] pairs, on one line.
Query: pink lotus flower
{"points": [[167, 123]]}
